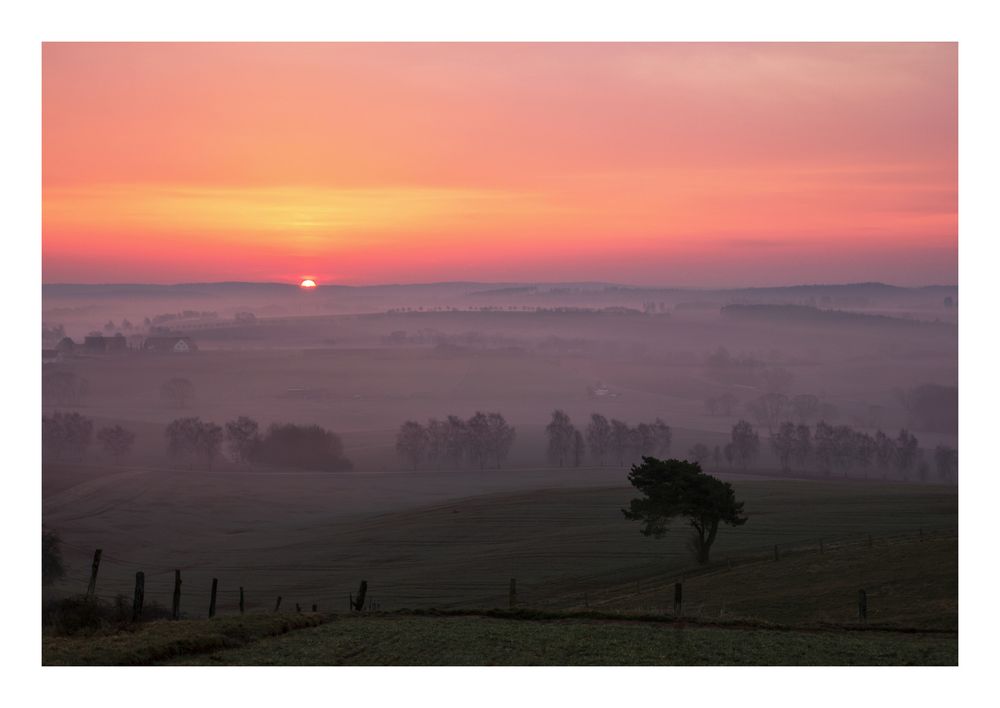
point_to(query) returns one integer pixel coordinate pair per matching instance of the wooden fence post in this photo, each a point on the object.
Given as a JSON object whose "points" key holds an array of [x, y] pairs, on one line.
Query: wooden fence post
{"points": [[137, 598], [277, 603], [298, 608], [315, 607], [242, 605], [678, 598], [358, 603], [176, 612], [92, 585], [862, 606], [211, 604], [512, 594]]}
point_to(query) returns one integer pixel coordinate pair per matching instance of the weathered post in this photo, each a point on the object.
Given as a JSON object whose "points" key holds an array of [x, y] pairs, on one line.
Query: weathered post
{"points": [[512, 594], [211, 603], [298, 608], [678, 598], [92, 585], [140, 591], [315, 607], [277, 603], [358, 603], [176, 612], [862, 606], [242, 605]]}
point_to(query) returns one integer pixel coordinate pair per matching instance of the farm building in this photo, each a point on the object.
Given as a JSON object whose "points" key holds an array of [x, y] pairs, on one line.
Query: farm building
{"points": [[169, 345]]}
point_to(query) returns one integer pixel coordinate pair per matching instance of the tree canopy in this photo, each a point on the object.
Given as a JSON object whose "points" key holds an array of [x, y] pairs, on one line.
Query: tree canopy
{"points": [[674, 489]]}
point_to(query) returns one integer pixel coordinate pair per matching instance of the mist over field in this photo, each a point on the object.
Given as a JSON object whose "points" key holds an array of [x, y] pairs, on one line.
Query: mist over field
{"points": [[447, 527]]}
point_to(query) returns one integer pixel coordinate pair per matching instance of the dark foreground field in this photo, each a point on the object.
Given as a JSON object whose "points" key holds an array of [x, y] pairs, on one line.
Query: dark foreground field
{"points": [[406, 640]]}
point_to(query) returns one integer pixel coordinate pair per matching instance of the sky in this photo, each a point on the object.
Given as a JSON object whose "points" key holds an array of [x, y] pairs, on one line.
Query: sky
{"points": [[650, 164]]}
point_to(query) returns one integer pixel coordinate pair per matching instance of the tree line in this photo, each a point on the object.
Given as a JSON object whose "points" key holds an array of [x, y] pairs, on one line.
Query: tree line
{"points": [[606, 441], [484, 440], [193, 442]]}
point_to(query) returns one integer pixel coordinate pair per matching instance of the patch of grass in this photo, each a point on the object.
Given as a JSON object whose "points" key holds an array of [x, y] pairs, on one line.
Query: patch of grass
{"points": [[161, 640], [401, 640]]}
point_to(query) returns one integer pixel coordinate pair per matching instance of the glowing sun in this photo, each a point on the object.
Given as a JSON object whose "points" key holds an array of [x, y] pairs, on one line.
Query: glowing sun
{"points": [[307, 284]]}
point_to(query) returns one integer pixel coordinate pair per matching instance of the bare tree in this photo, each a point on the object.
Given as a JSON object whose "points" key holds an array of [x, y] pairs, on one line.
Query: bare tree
{"points": [[824, 447], [885, 452], [116, 441], [599, 438], [242, 435], [192, 440], [803, 444], [946, 462], [663, 438], [768, 410], [864, 451], [560, 433], [66, 435], [785, 443], [619, 440], [501, 436], [907, 452], [746, 443]]}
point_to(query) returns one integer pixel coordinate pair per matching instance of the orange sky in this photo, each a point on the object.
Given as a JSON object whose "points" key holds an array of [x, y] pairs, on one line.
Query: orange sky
{"points": [[673, 164]]}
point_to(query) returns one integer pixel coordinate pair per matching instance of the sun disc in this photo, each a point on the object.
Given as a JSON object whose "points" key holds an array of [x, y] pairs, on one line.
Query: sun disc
{"points": [[308, 283]]}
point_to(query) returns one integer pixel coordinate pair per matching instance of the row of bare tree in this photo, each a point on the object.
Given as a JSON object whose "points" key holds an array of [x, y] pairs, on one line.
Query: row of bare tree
{"points": [[68, 436], [482, 441], [607, 442]]}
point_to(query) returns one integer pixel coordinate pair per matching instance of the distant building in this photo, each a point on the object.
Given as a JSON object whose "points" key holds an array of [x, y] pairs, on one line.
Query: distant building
{"points": [[94, 344], [169, 345]]}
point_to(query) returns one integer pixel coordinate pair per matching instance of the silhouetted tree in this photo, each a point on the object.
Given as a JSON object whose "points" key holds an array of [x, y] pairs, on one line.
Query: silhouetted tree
{"points": [[663, 439], [803, 444], [619, 441], [907, 449], [53, 568], [192, 440], [177, 392], [242, 435], [768, 409], [456, 441], [679, 489], [785, 443], [746, 443], [501, 435], [63, 388], [478, 428], [946, 462], [599, 438], [307, 447], [560, 433], [864, 451], [885, 452], [578, 448], [116, 441], [66, 435], [824, 447]]}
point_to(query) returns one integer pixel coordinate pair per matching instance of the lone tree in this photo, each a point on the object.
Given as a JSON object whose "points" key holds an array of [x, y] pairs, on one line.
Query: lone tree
{"points": [[177, 393], [678, 488]]}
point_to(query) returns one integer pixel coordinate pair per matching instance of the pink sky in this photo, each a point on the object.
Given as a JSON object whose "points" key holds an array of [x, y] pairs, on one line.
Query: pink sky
{"points": [[672, 164]]}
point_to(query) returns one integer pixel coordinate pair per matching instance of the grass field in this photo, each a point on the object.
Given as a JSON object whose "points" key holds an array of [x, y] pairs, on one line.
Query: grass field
{"points": [[311, 539], [482, 640]]}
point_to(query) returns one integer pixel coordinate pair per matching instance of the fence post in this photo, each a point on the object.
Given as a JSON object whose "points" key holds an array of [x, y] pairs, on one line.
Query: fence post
{"points": [[678, 598], [359, 603], [92, 585], [277, 603], [862, 606], [211, 604], [176, 612], [512, 594], [242, 606], [298, 608], [140, 591], [315, 607]]}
